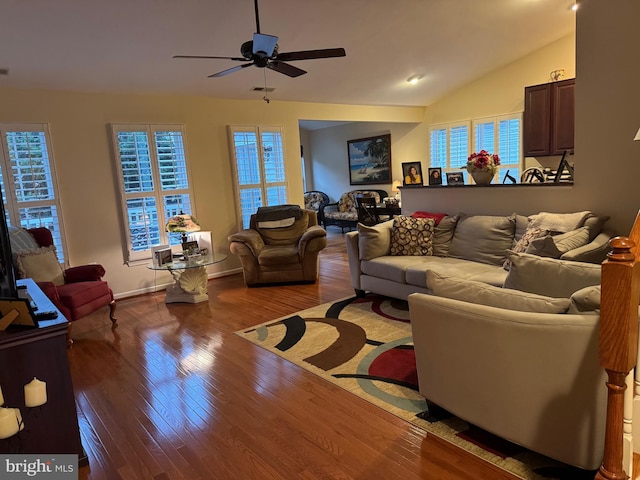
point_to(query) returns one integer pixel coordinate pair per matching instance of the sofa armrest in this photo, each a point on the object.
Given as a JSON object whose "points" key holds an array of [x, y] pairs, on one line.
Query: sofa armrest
{"points": [[329, 207], [250, 238], [84, 273], [531, 378], [353, 255], [312, 240], [594, 252]]}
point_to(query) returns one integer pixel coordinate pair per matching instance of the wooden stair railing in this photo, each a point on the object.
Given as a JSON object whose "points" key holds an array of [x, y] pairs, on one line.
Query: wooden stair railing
{"points": [[618, 344]]}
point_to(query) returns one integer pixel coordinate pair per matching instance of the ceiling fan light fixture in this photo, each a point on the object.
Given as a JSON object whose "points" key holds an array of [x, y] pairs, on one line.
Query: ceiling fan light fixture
{"points": [[413, 79]]}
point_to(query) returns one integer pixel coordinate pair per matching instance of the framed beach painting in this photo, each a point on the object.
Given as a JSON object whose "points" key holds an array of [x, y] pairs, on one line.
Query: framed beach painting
{"points": [[369, 160]]}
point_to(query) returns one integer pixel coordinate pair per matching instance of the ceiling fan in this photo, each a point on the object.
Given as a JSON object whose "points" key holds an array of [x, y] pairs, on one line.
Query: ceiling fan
{"points": [[263, 52]]}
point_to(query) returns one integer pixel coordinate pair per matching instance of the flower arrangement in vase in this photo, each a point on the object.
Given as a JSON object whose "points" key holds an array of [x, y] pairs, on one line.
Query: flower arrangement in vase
{"points": [[483, 166]]}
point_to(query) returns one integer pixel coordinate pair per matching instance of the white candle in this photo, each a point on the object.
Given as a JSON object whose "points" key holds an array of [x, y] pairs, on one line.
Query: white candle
{"points": [[8, 423], [35, 393], [1, 397], [19, 419]]}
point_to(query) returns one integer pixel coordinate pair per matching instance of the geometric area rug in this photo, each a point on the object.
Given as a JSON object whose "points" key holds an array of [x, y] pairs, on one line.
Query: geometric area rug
{"points": [[364, 345]]}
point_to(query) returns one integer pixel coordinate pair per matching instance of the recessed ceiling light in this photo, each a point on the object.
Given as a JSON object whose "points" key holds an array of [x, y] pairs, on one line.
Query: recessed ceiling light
{"points": [[574, 7], [413, 79]]}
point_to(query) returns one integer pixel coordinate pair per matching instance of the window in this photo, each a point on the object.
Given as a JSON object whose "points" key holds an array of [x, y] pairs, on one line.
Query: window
{"points": [[501, 135], [259, 168], [29, 186], [154, 183], [450, 146]]}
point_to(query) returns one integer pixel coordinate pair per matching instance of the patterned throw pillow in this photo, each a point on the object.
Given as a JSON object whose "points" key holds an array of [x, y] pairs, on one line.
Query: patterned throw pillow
{"points": [[527, 237], [412, 236]]}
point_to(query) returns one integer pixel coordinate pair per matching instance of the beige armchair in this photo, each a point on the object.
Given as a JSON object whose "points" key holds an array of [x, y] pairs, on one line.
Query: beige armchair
{"points": [[276, 254]]}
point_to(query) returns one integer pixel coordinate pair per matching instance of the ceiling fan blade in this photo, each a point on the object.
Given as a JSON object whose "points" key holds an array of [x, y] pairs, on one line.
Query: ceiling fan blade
{"points": [[264, 43], [230, 70], [237, 59], [311, 54], [285, 68]]}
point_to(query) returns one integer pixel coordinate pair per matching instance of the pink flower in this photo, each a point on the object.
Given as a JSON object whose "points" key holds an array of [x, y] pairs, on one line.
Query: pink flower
{"points": [[483, 161]]}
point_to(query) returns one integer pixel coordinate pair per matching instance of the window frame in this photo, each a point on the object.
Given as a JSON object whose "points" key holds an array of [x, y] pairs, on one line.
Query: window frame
{"points": [[472, 141], [12, 204], [263, 185], [135, 257]]}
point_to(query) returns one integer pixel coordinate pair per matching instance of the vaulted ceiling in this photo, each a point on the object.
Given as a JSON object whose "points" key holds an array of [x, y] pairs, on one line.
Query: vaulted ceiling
{"points": [[127, 45]]}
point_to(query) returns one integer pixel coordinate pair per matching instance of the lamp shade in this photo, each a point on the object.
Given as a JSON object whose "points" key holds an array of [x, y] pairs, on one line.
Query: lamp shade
{"points": [[183, 223]]}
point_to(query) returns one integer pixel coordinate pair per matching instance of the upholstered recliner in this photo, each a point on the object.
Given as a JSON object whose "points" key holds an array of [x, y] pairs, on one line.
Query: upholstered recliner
{"points": [[281, 250], [76, 291]]}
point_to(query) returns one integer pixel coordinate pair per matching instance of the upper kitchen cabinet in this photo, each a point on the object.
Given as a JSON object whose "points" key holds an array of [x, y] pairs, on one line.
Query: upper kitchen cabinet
{"points": [[548, 121]]}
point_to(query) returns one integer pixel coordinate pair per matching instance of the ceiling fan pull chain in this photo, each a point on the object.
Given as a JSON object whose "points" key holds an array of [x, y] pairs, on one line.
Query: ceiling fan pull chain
{"points": [[266, 92]]}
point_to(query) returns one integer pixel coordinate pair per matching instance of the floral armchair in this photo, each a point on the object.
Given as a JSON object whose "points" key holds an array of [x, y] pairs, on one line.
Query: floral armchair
{"points": [[313, 200], [344, 213]]}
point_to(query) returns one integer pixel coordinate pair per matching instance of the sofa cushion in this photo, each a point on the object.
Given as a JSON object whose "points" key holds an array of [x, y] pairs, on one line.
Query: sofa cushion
{"points": [[483, 294], [483, 238], [279, 255], [412, 236], [555, 246], [416, 273], [586, 299], [41, 264], [523, 243], [559, 222], [595, 223], [442, 235], [549, 276], [522, 224], [374, 241]]}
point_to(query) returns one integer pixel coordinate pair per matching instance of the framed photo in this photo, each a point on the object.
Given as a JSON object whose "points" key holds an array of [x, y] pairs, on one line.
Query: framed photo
{"points": [[455, 178], [370, 160], [411, 174], [190, 248], [435, 176], [162, 255]]}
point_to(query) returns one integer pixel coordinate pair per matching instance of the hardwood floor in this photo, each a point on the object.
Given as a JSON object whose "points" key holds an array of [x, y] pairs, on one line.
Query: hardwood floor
{"points": [[173, 393]]}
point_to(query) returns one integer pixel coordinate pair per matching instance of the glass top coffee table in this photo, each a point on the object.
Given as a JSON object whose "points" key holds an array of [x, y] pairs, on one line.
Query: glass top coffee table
{"points": [[190, 276]]}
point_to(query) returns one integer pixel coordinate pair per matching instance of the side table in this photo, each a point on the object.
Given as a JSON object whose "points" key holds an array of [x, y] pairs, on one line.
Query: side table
{"points": [[190, 276]]}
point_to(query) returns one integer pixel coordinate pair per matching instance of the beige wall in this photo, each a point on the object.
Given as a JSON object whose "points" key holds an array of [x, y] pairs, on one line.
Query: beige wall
{"points": [[79, 126]]}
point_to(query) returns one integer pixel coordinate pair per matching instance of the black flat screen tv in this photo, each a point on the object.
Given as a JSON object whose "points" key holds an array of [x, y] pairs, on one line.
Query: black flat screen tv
{"points": [[8, 287]]}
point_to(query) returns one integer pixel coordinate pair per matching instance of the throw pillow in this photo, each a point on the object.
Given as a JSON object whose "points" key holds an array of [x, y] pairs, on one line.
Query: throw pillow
{"points": [[521, 245], [555, 246], [485, 294], [41, 264], [443, 234], [585, 300], [374, 241], [549, 276], [559, 222], [483, 238], [412, 236], [21, 240], [436, 216]]}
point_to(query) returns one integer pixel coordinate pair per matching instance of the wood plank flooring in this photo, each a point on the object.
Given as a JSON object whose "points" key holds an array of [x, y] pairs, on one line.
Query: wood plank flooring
{"points": [[173, 393]]}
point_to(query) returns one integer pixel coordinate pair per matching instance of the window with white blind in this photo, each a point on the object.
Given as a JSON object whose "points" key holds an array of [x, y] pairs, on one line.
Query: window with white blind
{"points": [[260, 175], [154, 183], [29, 186], [450, 144], [501, 135], [450, 147]]}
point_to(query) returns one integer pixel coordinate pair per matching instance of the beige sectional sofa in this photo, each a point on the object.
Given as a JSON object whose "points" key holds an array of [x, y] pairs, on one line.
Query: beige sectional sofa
{"points": [[515, 351], [467, 247]]}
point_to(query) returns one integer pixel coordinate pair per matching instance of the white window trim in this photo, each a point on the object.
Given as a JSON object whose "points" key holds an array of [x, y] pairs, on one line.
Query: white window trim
{"points": [[12, 206], [258, 130], [135, 258]]}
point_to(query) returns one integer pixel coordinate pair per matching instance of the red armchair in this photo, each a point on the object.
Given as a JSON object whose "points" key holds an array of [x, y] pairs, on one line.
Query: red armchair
{"points": [[83, 291]]}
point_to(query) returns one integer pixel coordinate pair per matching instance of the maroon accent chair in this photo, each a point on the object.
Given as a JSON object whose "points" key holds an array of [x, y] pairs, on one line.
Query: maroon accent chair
{"points": [[83, 292]]}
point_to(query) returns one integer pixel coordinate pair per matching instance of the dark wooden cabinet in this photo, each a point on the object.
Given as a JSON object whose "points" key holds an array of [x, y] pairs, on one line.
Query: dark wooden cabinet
{"points": [[40, 352], [548, 123]]}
